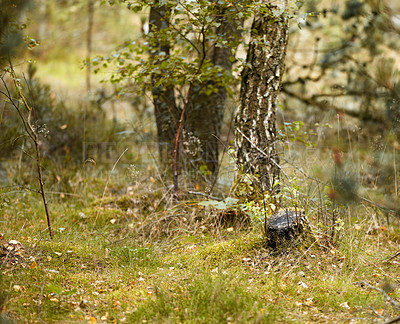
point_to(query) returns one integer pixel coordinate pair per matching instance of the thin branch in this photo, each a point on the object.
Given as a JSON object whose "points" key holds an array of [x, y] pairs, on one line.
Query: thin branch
{"points": [[393, 320], [324, 105], [33, 134], [394, 303]]}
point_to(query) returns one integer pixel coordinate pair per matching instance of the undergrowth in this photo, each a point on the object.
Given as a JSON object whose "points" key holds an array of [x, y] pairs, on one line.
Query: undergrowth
{"points": [[136, 258]]}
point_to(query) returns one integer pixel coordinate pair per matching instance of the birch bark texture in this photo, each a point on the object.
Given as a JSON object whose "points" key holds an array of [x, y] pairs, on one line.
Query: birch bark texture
{"points": [[255, 129]]}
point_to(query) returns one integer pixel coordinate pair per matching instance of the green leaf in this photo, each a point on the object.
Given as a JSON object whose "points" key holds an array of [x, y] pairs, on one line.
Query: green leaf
{"points": [[71, 292], [230, 202], [54, 289], [213, 203]]}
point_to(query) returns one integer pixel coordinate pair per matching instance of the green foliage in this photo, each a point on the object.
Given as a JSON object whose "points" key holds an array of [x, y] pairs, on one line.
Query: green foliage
{"points": [[294, 132], [11, 37], [191, 33], [259, 209], [57, 290], [227, 203]]}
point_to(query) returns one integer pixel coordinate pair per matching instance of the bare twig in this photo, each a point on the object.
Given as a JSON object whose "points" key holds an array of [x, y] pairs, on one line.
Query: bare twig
{"points": [[108, 179], [392, 257], [32, 132], [393, 320], [39, 302], [394, 303]]}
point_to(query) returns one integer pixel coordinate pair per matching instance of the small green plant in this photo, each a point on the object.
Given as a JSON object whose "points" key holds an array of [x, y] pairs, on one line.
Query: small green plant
{"points": [[59, 291]]}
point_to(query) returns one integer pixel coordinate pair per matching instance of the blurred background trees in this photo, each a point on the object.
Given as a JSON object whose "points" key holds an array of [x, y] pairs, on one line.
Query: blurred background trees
{"points": [[11, 37]]}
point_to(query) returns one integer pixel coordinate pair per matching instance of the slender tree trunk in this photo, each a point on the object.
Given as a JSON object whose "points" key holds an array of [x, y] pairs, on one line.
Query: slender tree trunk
{"points": [[205, 114], [165, 109], [255, 137], [89, 42]]}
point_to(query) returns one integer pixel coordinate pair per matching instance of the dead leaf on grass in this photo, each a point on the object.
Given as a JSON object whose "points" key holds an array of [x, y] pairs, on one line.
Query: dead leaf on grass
{"points": [[92, 320]]}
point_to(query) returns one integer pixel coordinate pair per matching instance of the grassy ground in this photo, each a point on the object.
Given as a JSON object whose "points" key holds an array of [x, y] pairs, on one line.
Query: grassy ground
{"points": [[139, 259]]}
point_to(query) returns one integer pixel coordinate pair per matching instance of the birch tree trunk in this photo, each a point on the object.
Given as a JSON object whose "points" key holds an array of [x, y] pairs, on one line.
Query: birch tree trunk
{"points": [[255, 132]]}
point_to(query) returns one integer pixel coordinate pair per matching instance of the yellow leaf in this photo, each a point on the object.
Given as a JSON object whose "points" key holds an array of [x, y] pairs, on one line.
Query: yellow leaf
{"points": [[33, 265], [92, 320], [309, 302]]}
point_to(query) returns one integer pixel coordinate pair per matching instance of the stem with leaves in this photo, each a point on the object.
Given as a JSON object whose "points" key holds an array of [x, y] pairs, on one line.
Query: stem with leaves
{"points": [[32, 131]]}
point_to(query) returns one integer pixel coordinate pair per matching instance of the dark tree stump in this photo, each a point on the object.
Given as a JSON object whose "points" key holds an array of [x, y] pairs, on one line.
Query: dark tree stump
{"points": [[286, 227]]}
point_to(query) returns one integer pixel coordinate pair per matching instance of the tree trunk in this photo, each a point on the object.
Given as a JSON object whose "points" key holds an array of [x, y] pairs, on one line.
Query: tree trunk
{"points": [[165, 108], [205, 114], [255, 136]]}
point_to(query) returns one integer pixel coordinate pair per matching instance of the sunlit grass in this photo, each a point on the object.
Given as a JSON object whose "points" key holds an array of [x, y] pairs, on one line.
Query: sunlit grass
{"points": [[96, 268]]}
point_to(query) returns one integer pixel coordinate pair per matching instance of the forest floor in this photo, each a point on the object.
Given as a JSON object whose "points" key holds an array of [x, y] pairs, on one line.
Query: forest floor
{"points": [[141, 259]]}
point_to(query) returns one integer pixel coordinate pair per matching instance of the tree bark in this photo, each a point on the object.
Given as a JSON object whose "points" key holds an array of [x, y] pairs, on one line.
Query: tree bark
{"points": [[206, 112], [255, 136], [165, 108]]}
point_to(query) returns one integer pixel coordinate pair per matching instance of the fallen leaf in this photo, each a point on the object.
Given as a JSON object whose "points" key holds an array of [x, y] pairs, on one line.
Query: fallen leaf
{"points": [[92, 320], [17, 287], [309, 302], [33, 265], [302, 284], [58, 253]]}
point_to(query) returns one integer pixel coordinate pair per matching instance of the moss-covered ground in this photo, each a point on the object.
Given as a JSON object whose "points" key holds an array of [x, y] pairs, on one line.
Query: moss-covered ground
{"points": [[133, 260]]}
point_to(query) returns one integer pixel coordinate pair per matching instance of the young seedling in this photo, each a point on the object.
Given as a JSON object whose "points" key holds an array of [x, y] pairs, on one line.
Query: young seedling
{"points": [[20, 104]]}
